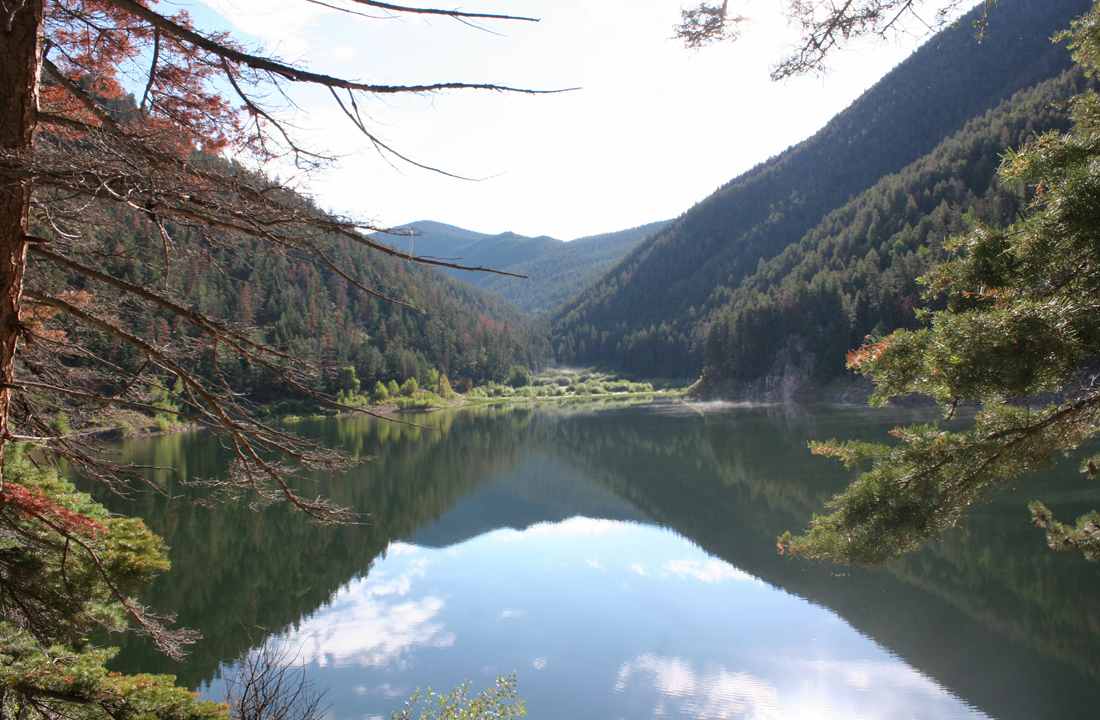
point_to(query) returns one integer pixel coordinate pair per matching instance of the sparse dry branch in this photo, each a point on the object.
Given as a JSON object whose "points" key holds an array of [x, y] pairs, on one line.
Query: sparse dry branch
{"points": [[94, 330], [823, 26]]}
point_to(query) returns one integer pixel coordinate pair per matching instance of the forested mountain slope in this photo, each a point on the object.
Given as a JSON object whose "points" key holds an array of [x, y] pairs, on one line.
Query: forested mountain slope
{"points": [[649, 313], [559, 275], [311, 312], [556, 270], [791, 322]]}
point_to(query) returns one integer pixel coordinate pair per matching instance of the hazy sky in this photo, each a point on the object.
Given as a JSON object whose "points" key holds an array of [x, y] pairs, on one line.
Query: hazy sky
{"points": [[655, 128]]}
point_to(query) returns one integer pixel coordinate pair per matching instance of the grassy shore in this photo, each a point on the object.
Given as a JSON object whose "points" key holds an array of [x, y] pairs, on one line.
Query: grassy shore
{"points": [[550, 386]]}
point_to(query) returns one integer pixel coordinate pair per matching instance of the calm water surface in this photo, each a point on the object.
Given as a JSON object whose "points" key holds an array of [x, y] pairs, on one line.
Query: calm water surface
{"points": [[621, 562]]}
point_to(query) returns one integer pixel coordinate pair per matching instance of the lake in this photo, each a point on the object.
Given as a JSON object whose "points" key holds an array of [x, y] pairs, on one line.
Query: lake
{"points": [[621, 562]]}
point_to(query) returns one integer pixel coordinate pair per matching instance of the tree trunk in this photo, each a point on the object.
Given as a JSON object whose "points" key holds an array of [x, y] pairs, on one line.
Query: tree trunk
{"points": [[20, 61]]}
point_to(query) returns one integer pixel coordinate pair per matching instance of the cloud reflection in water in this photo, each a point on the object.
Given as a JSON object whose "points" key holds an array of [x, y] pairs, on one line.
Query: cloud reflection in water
{"points": [[372, 622], [809, 690]]}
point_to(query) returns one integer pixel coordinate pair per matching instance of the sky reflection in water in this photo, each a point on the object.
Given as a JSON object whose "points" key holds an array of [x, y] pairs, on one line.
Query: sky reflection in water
{"points": [[600, 618], [622, 562]]}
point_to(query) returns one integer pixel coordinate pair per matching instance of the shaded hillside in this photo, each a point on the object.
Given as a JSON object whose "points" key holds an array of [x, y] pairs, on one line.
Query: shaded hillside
{"points": [[285, 299], [787, 328], [556, 277], [556, 270], [645, 315]]}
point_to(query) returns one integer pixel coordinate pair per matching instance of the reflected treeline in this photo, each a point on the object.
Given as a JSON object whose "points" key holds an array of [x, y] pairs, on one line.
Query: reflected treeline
{"points": [[983, 610], [239, 575]]}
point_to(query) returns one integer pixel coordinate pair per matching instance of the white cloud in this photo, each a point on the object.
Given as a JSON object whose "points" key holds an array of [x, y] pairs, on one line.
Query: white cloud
{"points": [[709, 571], [865, 674], [804, 690], [371, 623], [639, 569], [279, 24], [576, 527], [385, 690], [539, 663], [510, 614], [716, 695], [400, 549]]}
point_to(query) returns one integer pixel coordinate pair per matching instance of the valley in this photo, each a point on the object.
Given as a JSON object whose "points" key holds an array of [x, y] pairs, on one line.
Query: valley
{"points": [[823, 445]]}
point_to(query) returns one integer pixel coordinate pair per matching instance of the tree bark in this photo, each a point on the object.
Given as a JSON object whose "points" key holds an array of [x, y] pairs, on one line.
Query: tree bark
{"points": [[20, 62]]}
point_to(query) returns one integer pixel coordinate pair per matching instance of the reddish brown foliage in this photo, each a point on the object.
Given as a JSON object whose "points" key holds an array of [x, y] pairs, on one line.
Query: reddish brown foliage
{"points": [[35, 503], [96, 45], [867, 353]]}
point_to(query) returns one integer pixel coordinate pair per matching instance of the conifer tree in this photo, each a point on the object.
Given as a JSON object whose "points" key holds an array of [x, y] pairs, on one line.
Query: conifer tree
{"points": [[1021, 323], [80, 141]]}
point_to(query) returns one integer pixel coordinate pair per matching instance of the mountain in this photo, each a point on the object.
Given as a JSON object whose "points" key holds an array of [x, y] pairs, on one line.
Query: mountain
{"points": [[557, 276], [786, 329], [556, 270], [651, 313], [314, 314], [438, 240]]}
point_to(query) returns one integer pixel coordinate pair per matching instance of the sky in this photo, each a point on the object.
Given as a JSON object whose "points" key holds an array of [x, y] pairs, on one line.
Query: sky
{"points": [[654, 128]]}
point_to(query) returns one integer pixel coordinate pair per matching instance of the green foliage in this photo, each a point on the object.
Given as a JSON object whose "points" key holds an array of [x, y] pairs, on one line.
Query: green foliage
{"points": [[499, 702], [651, 314], [1020, 317], [519, 376], [311, 312], [564, 384], [347, 380], [443, 388], [855, 274], [380, 393], [61, 424], [420, 400], [62, 682], [410, 387], [72, 569], [168, 415], [393, 388]]}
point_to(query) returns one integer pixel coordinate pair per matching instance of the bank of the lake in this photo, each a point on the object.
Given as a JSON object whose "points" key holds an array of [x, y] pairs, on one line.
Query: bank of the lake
{"points": [[559, 386]]}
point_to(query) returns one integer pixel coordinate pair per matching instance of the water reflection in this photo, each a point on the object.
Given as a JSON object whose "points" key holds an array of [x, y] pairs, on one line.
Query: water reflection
{"points": [[817, 690], [623, 563], [371, 624]]}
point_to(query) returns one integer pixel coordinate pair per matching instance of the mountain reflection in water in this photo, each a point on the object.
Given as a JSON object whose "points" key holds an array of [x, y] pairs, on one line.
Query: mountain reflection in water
{"points": [[622, 563]]}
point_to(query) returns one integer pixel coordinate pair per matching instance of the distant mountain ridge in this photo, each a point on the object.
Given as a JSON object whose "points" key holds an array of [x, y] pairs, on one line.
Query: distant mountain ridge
{"points": [[449, 242], [651, 313], [556, 269]]}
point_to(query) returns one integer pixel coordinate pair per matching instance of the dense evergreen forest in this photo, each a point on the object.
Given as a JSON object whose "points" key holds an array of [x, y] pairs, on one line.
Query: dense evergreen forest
{"points": [[555, 270], [763, 286], [651, 314], [855, 274], [308, 310]]}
